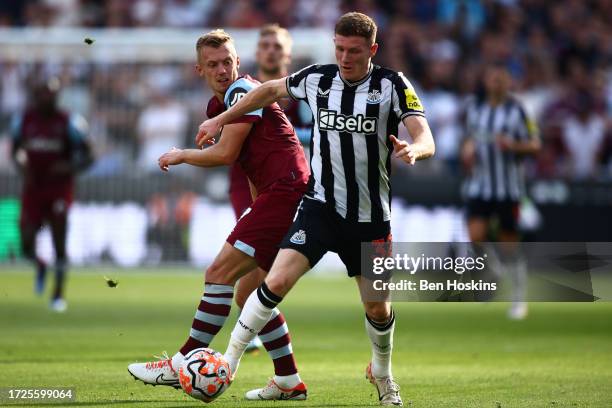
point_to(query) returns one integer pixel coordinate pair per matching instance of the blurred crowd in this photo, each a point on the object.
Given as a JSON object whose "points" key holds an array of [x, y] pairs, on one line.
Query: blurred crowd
{"points": [[559, 54]]}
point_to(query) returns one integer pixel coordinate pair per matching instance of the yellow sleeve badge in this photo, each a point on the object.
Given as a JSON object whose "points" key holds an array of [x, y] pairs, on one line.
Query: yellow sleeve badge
{"points": [[412, 100]]}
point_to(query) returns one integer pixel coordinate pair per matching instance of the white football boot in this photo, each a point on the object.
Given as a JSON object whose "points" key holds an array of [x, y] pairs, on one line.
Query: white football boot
{"points": [[58, 305], [158, 372], [518, 311], [388, 390], [273, 392]]}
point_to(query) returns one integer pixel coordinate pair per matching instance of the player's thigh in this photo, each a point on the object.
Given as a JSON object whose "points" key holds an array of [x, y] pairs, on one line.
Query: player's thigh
{"points": [[260, 230], [247, 284], [229, 265], [287, 269]]}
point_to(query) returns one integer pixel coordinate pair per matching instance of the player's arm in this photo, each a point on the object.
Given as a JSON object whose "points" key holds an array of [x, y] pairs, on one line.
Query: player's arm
{"points": [[527, 140], [422, 146], [223, 153], [263, 95]]}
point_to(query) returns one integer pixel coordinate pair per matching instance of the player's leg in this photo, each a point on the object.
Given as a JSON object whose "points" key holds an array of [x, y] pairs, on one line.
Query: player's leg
{"points": [[379, 316], [59, 226], [247, 284], [29, 224], [260, 313], [301, 248], [513, 258], [213, 309]]}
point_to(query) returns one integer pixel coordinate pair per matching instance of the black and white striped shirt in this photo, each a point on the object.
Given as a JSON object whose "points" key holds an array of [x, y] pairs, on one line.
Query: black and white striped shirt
{"points": [[350, 151], [497, 175]]}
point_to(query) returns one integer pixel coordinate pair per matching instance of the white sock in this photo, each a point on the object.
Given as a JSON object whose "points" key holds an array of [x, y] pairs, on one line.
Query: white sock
{"points": [[381, 337], [287, 382], [177, 359], [253, 318]]}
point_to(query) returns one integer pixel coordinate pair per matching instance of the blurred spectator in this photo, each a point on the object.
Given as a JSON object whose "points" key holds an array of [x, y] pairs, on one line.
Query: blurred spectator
{"points": [[583, 138], [161, 126]]}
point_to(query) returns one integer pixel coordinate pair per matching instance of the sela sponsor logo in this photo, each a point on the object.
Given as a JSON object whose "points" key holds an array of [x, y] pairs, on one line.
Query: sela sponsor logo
{"points": [[299, 238], [322, 93], [374, 97], [332, 120], [237, 97]]}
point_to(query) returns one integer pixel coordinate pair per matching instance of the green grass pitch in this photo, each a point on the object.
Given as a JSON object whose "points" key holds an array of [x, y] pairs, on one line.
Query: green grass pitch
{"points": [[445, 355]]}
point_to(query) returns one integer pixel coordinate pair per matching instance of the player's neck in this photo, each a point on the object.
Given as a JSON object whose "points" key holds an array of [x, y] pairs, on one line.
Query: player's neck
{"points": [[496, 99], [264, 77]]}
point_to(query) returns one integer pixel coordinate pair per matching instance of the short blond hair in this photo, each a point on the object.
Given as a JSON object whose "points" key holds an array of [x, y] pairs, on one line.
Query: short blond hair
{"points": [[215, 39], [282, 32]]}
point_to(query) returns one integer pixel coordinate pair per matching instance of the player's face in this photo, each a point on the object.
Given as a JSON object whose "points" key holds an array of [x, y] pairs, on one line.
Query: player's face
{"points": [[273, 55], [497, 81], [219, 67], [353, 55]]}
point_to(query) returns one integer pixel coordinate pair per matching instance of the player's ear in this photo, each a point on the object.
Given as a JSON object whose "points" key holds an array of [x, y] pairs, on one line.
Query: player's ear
{"points": [[198, 69], [373, 49], [237, 62]]}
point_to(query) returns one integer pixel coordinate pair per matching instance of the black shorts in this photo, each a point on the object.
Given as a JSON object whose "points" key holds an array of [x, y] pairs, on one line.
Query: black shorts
{"points": [[318, 229], [506, 212]]}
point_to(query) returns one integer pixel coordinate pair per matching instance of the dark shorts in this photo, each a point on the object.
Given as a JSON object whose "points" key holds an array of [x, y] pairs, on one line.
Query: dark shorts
{"points": [[318, 229], [40, 205], [505, 211], [263, 225]]}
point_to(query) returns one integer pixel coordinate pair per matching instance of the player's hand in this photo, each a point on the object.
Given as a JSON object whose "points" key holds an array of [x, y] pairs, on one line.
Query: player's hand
{"points": [[171, 158], [207, 132], [403, 150], [504, 142]]}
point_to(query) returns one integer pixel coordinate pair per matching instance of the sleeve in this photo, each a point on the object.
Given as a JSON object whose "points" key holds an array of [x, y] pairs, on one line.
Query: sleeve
{"points": [[296, 82], [234, 93], [405, 100], [526, 126]]}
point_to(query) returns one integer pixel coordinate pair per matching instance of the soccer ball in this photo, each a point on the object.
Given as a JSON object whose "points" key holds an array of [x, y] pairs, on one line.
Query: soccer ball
{"points": [[204, 374]]}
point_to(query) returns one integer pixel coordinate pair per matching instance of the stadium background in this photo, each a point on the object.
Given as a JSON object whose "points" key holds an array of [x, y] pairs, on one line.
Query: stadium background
{"points": [[153, 232]]}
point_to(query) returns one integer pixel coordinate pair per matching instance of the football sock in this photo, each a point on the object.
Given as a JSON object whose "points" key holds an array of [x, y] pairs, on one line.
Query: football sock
{"points": [[381, 337], [277, 341], [211, 315], [256, 313], [518, 276], [60, 275]]}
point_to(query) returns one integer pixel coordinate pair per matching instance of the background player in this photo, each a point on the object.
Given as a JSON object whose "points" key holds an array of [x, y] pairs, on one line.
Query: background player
{"points": [[267, 148], [49, 149], [498, 134], [273, 57], [358, 107]]}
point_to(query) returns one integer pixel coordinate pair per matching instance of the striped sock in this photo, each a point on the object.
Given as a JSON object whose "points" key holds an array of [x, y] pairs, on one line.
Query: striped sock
{"points": [[277, 341], [211, 315]]}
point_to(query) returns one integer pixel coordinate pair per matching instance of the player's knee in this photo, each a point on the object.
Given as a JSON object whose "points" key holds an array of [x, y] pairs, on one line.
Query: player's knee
{"points": [[278, 284], [216, 273], [378, 311]]}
